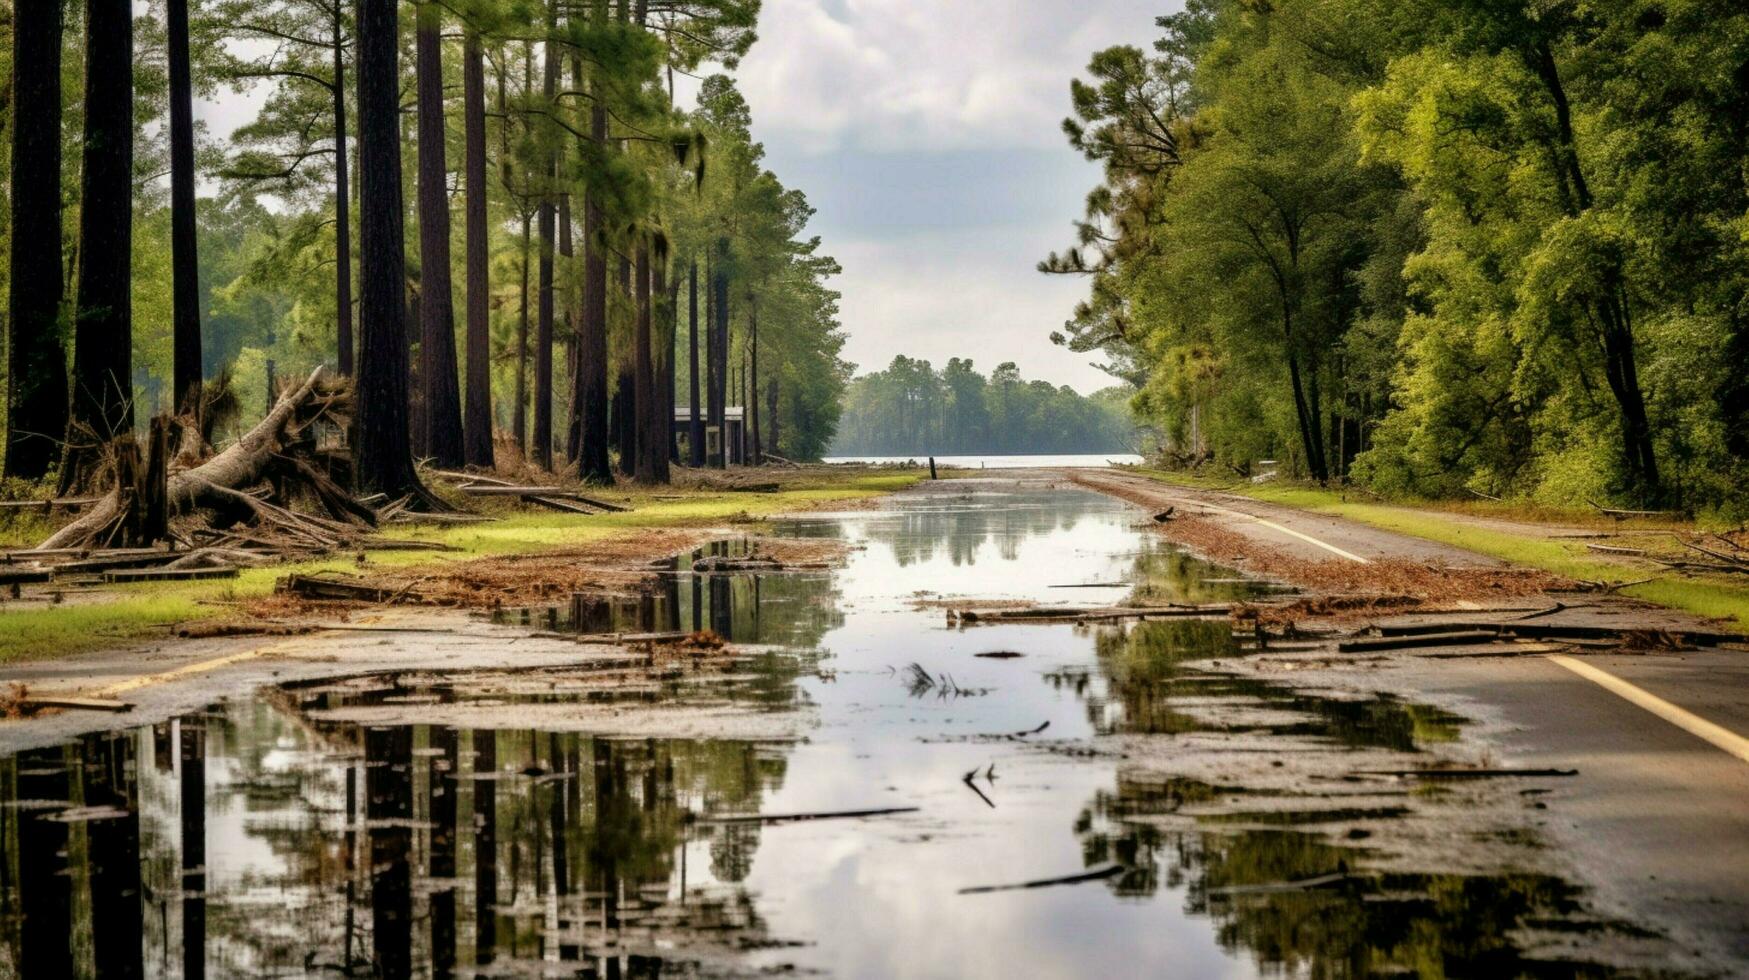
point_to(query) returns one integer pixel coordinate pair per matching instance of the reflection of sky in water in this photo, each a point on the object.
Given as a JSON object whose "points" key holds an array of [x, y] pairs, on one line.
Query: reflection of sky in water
{"points": [[882, 900]]}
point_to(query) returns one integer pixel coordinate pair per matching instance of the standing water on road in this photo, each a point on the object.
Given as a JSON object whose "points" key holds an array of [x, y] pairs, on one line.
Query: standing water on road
{"points": [[1052, 800]]}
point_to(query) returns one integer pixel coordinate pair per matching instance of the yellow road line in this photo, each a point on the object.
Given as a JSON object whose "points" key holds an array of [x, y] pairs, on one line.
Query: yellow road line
{"points": [[1686, 720], [201, 667]]}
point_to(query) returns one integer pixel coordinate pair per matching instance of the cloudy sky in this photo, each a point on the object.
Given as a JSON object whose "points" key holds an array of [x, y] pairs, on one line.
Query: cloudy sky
{"points": [[926, 133]]}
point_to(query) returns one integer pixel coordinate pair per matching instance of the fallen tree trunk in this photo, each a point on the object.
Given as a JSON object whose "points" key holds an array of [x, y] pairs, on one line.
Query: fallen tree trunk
{"points": [[218, 483]]}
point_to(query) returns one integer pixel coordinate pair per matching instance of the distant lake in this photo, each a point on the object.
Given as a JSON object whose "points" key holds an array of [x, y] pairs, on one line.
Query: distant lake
{"points": [[996, 462]]}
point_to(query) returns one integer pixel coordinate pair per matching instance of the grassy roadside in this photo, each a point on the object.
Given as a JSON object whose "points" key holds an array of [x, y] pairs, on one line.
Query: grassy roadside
{"points": [[132, 612], [1461, 525]]}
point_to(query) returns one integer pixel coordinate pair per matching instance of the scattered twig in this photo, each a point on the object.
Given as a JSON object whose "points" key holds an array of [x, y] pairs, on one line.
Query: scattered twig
{"points": [[1099, 873], [769, 818]]}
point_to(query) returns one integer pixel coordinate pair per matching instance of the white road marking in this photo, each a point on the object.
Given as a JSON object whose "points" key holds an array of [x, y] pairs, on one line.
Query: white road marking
{"points": [[1686, 720], [1285, 530]]}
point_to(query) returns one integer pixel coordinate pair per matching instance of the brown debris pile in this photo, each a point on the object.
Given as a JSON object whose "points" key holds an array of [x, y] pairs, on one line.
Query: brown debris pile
{"points": [[619, 565]]}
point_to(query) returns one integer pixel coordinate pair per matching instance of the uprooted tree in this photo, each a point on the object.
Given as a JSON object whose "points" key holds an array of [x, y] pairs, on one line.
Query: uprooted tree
{"points": [[254, 481]]}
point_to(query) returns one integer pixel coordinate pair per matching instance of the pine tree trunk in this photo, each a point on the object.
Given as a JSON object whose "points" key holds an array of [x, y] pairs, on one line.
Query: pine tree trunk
{"points": [[542, 437], [625, 429], [342, 210], [753, 378], [36, 354], [437, 367], [695, 427], [477, 419], [574, 319], [184, 256], [643, 376], [670, 367], [771, 413], [593, 464], [103, 385], [382, 457], [573, 342], [719, 355], [519, 425]]}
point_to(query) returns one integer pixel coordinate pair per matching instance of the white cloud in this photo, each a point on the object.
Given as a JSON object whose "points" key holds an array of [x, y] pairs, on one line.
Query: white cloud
{"points": [[911, 74]]}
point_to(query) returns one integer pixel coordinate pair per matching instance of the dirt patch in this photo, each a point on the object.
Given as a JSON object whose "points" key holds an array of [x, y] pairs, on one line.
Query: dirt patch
{"points": [[622, 565]]}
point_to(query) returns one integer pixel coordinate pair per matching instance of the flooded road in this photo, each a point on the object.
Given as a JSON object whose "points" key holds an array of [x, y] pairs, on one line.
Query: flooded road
{"points": [[1060, 800]]}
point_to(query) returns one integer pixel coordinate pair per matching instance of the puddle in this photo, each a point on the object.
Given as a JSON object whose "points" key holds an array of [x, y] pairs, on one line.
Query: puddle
{"points": [[1110, 802], [791, 609]]}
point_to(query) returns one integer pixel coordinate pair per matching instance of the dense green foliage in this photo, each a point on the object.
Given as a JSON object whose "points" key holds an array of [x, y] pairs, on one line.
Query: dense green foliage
{"points": [[1434, 246], [911, 408], [670, 182]]}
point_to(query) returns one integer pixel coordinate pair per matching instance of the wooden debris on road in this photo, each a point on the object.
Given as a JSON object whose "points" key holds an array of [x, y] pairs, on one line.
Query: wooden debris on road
{"points": [[1069, 614], [169, 574], [770, 818], [24, 576], [333, 588], [1460, 773], [1623, 514], [32, 703], [751, 563], [1097, 873], [1379, 644]]}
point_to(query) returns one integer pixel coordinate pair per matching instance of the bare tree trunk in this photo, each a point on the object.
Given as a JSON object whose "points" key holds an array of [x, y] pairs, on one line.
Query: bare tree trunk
{"points": [[342, 210], [542, 455], [695, 428], [381, 455], [625, 429], [437, 367], [771, 412], [643, 374], [477, 427], [753, 377], [184, 255], [719, 355], [573, 342], [669, 366], [103, 384], [593, 464], [36, 358], [519, 425]]}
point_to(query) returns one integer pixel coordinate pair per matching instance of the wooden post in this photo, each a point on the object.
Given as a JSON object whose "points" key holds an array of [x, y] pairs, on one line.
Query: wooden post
{"points": [[932, 475], [127, 482]]}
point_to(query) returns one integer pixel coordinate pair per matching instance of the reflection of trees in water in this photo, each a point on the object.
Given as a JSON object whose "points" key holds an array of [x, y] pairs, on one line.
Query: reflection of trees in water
{"points": [[793, 610], [1353, 922], [1142, 671], [915, 535], [1165, 574], [251, 841], [1350, 922]]}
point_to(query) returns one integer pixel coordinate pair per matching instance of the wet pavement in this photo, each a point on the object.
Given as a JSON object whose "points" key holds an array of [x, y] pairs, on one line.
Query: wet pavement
{"points": [[1113, 801]]}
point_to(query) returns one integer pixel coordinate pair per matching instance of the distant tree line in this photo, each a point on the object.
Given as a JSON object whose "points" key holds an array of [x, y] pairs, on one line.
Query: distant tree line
{"points": [[913, 409], [1433, 246]]}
